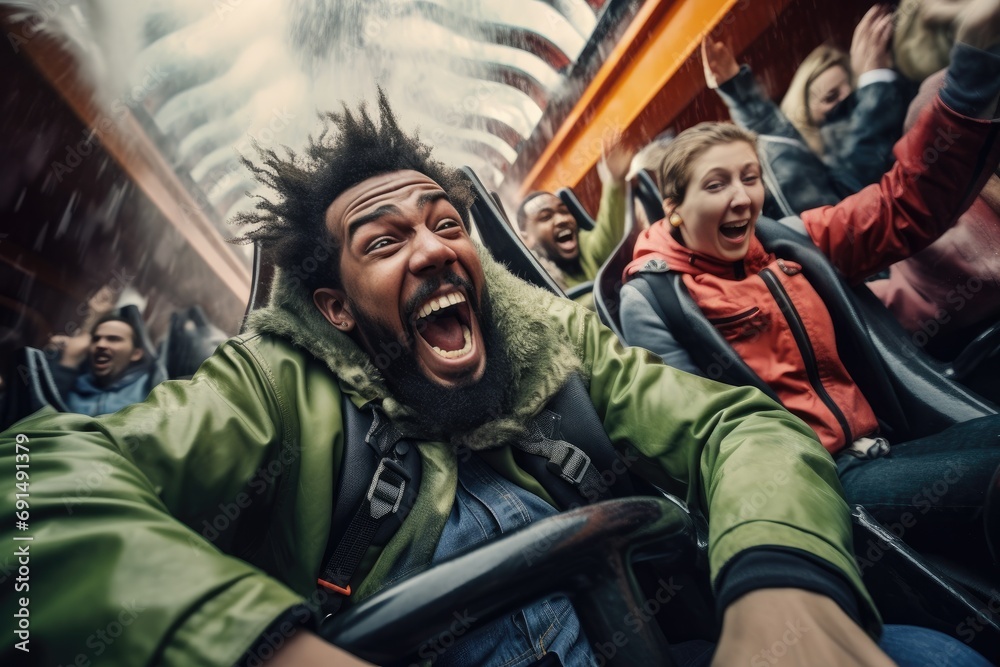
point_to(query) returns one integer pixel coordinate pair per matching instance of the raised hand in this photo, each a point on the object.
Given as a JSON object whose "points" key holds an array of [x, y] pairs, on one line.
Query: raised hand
{"points": [[871, 45], [720, 65], [616, 158]]}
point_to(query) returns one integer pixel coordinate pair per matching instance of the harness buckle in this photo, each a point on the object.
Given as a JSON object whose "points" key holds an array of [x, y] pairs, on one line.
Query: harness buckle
{"points": [[386, 491], [572, 467]]}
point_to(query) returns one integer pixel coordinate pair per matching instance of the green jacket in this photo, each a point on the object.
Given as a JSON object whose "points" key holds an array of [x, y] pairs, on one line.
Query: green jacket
{"points": [[133, 516]]}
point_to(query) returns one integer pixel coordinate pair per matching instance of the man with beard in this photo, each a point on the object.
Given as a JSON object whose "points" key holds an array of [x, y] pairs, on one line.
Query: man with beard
{"points": [[572, 256], [206, 528]]}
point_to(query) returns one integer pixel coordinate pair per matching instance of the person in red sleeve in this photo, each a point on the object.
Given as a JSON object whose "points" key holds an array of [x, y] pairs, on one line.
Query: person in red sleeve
{"points": [[710, 181]]}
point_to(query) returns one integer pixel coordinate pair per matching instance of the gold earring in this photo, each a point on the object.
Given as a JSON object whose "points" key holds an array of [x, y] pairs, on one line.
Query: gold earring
{"points": [[675, 219]]}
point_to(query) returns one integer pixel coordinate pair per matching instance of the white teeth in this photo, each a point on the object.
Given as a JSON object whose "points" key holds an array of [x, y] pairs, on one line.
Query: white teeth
{"points": [[439, 303], [455, 354]]}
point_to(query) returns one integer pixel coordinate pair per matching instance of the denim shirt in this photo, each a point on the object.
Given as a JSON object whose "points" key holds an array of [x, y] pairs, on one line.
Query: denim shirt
{"points": [[488, 506], [87, 398]]}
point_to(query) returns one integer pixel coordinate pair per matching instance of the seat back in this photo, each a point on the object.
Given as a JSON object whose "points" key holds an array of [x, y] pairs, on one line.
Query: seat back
{"points": [[30, 387], [583, 219], [260, 283], [502, 240], [910, 590], [649, 196], [191, 339], [151, 356], [608, 281]]}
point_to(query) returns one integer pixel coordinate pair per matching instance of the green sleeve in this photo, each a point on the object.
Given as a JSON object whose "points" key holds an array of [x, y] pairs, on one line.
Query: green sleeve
{"points": [[117, 574], [756, 470], [609, 227]]}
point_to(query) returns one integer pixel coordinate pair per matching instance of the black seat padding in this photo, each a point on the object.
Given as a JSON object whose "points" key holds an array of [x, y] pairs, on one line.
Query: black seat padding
{"points": [[191, 339], [608, 281], [909, 590], [151, 356], [649, 196], [502, 240], [642, 192], [30, 387], [877, 351], [583, 219], [260, 283]]}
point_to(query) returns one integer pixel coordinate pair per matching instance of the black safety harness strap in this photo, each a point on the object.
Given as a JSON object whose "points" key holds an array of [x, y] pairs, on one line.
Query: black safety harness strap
{"points": [[382, 500], [570, 474], [567, 461]]}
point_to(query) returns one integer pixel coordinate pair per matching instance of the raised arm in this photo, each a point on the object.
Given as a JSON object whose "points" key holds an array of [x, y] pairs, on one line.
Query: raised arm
{"points": [[941, 165], [609, 225], [862, 152], [748, 106]]}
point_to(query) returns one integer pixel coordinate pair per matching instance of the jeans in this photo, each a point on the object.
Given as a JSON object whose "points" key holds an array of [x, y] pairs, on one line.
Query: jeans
{"points": [[907, 645], [930, 492]]}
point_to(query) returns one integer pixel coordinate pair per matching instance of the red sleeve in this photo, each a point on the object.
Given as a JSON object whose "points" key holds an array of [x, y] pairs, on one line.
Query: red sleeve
{"points": [[941, 165]]}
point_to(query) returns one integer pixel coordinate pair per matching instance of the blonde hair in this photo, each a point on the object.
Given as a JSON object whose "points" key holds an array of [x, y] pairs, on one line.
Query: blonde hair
{"points": [[676, 160], [795, 104]]}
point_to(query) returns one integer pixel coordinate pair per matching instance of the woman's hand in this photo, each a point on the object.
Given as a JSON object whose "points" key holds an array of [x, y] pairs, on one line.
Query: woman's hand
{"points": [[871, 45], [720, 65]]}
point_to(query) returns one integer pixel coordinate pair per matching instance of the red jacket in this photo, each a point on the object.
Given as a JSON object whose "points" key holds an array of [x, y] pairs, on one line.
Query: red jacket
{"points": [[759, 302], [949, 292]]}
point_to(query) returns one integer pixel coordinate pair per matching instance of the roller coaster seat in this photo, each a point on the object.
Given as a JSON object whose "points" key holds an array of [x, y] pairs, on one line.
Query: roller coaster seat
{"points": [[608, 282], [29, 387], [583, 219], [502, 240], [190, 340]]}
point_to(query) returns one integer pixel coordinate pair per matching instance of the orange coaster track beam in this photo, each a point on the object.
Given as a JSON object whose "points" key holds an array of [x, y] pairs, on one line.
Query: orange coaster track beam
{"points": [[644, 79]]}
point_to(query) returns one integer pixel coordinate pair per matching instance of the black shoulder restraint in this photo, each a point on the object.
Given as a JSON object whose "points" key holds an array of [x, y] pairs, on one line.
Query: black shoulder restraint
{"points": [[707, 347], [380, 476]]}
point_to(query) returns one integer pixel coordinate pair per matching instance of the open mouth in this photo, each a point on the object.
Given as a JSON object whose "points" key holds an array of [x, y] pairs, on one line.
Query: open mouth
{"points": [[101, 360], [566, 239], [735, 231], [445, 324]]}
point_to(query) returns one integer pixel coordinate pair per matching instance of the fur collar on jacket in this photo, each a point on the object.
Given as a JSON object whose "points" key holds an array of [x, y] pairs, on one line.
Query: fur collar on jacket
{"points": [[541, 354]]}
